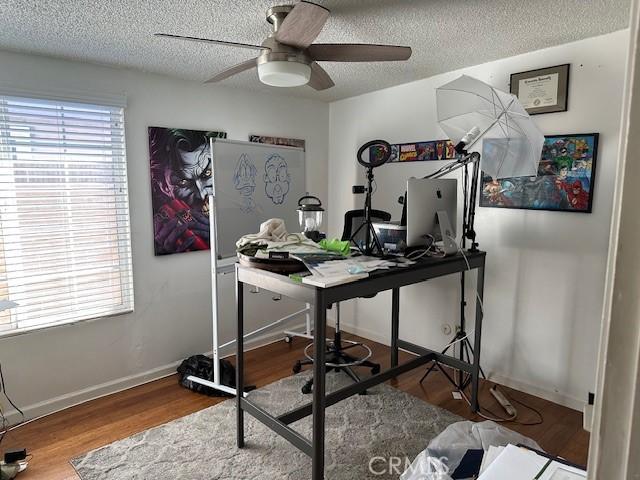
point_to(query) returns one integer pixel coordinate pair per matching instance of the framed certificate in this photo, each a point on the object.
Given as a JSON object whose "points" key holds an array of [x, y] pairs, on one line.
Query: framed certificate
{"points": [[542, 91]]}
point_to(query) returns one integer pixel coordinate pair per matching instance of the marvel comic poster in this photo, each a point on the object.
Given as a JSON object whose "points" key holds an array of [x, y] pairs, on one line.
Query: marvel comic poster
{"points": [[565, 180], [181, 183], [420, 151]]}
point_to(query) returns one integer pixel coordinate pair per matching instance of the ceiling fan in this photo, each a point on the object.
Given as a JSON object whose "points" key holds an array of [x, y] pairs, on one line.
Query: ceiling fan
{"points": [[288, 58]]}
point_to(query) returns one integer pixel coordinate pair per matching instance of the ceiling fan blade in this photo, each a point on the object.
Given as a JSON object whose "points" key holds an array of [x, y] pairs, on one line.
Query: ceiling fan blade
{"points": [[302, 25], [320, 79], [358, 52], [241, 67], [216, 42]]}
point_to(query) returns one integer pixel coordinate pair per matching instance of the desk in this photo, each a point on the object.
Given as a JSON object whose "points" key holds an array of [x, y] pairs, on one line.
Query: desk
{"points": [[321, 299]]}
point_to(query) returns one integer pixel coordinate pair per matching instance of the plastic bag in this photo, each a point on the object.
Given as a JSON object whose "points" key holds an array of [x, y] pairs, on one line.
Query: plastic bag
{"points": [[449, 447]]}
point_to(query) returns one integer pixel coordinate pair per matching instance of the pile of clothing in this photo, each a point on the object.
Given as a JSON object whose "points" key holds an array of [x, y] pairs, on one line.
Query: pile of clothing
{"points": [[274, 237]]}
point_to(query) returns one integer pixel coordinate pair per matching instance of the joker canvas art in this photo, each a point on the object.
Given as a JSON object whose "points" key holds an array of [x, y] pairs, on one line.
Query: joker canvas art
{"points": [[181, 183]]}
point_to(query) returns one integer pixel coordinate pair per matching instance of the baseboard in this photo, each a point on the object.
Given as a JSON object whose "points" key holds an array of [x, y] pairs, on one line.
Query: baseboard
{"points": [[365, 333], [62, 402], [555, 397]]}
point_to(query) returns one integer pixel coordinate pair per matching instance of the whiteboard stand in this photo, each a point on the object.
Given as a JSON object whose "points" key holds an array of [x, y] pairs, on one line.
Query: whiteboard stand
{"points": [[290, 334], [308, 332], [216, 270]]}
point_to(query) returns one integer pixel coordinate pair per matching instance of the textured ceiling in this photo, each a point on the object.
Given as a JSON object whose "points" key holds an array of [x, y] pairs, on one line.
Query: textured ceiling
{"points": [[444, 34]]}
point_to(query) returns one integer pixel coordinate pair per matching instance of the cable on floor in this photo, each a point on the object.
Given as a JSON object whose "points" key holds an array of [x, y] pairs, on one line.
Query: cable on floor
{"points": [[499, 419], [5, 422]]}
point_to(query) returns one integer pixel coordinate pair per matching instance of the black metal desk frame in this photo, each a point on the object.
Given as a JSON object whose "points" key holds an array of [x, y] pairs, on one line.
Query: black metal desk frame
{"points": [[322, 298]]}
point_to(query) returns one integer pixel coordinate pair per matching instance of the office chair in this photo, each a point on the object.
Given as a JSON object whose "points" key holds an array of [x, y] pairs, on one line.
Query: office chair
{"points": [[336, 357]]}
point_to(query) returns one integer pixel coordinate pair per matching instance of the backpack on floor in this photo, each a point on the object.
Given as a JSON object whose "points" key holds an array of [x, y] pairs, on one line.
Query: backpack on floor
{"points": [[201, 366]]}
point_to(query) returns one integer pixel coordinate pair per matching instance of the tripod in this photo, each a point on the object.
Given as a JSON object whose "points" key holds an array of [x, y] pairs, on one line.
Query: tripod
{"points": [[371, 241], [470, 192], [466, 350], [370, 155]]}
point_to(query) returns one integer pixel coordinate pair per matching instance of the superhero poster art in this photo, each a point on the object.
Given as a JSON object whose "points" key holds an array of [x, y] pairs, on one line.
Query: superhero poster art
{"points": [[432, 150], [181, 182], [565, 181]]}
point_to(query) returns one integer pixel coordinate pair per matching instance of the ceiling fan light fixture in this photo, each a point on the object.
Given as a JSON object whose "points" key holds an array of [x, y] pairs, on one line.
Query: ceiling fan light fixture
{"points": [[282, 73], [289, 58]]}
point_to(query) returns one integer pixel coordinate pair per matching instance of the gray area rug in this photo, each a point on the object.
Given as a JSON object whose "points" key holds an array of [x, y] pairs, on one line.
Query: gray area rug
{"points": [[385, 423]]}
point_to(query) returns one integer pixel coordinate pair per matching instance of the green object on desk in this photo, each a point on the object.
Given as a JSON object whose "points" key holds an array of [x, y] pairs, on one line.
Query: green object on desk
{"points": [[335, 245], [297, 277]]}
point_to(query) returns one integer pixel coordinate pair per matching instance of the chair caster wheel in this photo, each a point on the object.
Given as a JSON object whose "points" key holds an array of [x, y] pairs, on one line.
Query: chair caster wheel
{"points": [[306, 389], [297, 368], [287, 339], [375, 370]]}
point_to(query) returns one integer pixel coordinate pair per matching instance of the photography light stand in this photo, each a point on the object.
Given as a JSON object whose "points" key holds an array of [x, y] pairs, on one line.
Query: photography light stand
{"points": [[371, 242], [372, 245], [513, 150], [470, 193]]}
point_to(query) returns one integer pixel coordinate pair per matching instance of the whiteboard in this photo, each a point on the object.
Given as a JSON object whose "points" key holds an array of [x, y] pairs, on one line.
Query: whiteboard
{"points": [[254, 182]]}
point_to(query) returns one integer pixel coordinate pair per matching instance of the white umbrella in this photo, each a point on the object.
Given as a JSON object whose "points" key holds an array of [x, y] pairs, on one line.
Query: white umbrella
{"points": [[509, 141]]}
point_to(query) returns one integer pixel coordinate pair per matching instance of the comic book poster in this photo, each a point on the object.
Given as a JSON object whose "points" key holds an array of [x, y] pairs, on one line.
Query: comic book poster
{"points": [[181, 182], [421, 151], [565, 180], [287, 142]]}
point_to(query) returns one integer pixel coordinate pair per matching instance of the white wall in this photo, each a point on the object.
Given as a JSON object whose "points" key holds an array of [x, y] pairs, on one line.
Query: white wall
{"points": [[51, 369], [545, 270]]}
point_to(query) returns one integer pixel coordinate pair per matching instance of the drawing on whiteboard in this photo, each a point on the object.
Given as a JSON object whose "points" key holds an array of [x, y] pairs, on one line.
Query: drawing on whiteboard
{"points": [[244, 179], [276, 179]]}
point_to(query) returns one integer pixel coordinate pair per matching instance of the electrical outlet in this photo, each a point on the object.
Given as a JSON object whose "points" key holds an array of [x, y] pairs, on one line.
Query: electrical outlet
{"points": [[446, 329]]}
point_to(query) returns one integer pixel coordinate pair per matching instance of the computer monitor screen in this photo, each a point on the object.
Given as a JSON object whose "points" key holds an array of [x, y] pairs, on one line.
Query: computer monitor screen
{"points": [[425, 197]]}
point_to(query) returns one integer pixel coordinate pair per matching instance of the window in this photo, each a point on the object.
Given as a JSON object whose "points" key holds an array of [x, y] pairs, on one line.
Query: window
{"points": [[65, 246]]}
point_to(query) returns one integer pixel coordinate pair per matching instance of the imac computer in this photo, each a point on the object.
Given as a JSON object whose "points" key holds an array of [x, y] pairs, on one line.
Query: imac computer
{"points": [[431, 211], [431, 214]]}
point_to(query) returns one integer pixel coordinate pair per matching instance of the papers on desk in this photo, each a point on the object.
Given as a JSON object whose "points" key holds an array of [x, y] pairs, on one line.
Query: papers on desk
{"points": [[333, 280], [336, 272], [516, 463]]}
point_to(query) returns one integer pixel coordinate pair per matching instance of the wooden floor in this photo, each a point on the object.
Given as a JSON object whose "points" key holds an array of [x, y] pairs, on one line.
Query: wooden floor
{"points": [[54, 440]]}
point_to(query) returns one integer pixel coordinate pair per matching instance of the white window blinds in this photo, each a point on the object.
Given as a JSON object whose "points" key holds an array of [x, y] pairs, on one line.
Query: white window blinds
{"points": [[65, 248]]}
